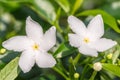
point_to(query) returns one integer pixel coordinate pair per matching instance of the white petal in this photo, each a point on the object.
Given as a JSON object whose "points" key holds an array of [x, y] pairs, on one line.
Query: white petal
{"points": [[45, 60], [103, 44], [77, 25], [88, 51], [27, 60], [75, 40], [49, 39], [33, 29], [18, 43], [96, 27]]}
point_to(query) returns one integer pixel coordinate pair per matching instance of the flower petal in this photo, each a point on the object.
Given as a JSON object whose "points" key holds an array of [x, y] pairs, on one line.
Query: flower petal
{"points": [[75, 40], [103, 44], [49, 39], [96, 27], [27, 60], [88, 51], [45, 60], [33, 29], [77, 25], [18, 43]]}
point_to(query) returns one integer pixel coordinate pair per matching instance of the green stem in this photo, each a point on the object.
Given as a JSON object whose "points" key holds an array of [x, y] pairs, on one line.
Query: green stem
{"points": [[84, 71], [58, 27], [76, 79], [93, 75], [87, 60], [56, 23], [86, 68], [61, 73], [64, 70]]}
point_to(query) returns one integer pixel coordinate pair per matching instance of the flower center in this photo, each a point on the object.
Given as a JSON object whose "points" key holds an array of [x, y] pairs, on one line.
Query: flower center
{"points": [[86, 40], [35, 47]]}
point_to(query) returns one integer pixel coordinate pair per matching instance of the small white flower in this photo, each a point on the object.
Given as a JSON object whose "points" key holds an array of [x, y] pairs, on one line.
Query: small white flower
{"points": [[34, 46], [88, 40], [97, 66]]}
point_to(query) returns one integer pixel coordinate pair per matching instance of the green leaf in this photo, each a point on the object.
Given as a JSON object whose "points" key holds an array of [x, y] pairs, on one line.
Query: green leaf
{"points": [[61, 48], [71, 68], [107, 18], [10, 71], [64, 50], [118, 22], [112, 68], [9, 5], [115, 56], [76, 6], [76, 59], [45, 9], [64, 4], [105, 76], [111, 34], [93, 75]]}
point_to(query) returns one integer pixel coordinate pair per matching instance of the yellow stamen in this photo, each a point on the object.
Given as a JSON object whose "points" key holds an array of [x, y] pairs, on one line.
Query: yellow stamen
{"points": [[86, 40], [35, 47]]}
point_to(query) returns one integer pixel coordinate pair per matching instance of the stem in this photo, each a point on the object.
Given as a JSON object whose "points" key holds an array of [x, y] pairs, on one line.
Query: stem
{"points": [[61, 73], [93, 75], [76, 79], [65, 71], [85, 68], [87, 60], [51, 22], [58, 27], [83, 73]]}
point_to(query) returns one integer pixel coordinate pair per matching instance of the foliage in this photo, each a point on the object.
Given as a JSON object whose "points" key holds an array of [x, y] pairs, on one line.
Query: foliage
{"points": [[13, 14]]}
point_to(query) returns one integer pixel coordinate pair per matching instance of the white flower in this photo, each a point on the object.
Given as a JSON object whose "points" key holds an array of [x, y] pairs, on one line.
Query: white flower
{"points": [[97, 66], [34, 46], [88, 40]]}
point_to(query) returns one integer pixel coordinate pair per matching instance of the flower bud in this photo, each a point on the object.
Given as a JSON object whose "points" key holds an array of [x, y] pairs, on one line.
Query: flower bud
{"points": [[2, 51], [97, 66], [59, 55], [109, 56], [76, 75]]}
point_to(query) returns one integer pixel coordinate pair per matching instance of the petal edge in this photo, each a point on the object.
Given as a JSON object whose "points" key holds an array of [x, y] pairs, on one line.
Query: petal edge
{"points": [[17, 43], [27, 61], [103, 44], [45, 60], [88, 51], [77, 25], [33, 29]]}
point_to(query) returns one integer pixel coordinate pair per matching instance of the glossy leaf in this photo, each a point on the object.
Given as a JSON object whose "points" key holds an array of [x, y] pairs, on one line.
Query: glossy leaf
{"points": [[108, 19], [115, 69], [105, 76], [45, 9], [118, 22], [111, 34], [61, 48], [115, 56], [10, 71], [76, 6], [64, 50], [64, 4]]}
